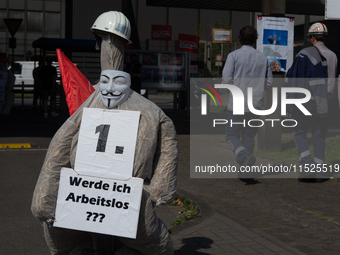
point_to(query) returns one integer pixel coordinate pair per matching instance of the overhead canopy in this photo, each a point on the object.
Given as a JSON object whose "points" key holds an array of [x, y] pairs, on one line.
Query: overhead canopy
{"points": [[73, 45], [305, 7]]}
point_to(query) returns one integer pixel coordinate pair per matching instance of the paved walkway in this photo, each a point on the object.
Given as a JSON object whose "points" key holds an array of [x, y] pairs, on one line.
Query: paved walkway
{"points": [[211, 233], [220, 235]]}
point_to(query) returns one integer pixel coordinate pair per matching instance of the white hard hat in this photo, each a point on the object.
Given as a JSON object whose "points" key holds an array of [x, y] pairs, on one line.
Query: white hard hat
{"points": [[115, 23], [318, 29]]}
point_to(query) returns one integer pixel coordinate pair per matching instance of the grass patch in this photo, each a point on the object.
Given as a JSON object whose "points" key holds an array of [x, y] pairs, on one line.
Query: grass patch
{"points": [[289, 154], [189, 209]]}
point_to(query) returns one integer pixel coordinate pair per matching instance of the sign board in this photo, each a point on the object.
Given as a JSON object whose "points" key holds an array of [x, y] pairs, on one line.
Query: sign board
{"points": [[332, 9], [3, 79], [221, 35], [107, 141], [218, 63], [98, 205], [276, 39], [188, 43], [161, 32], [218, 57], [13, 25], [165, 70], [193, 69]]}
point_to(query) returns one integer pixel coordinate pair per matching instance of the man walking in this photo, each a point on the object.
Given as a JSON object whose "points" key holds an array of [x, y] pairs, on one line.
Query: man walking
{"points": [[37, 84], [244, 68], [315, 64], [48, 75]]}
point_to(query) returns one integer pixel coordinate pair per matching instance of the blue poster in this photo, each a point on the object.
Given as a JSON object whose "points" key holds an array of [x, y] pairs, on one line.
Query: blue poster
{"points": [[276, 41]]}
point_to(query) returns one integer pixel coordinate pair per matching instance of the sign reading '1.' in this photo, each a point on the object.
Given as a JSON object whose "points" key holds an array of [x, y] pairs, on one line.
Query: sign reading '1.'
{"points": [[98, 205], [106, 145]]}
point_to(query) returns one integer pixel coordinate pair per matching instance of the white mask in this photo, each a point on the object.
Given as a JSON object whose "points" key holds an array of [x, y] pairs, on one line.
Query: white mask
{"points": [[114, 87]]}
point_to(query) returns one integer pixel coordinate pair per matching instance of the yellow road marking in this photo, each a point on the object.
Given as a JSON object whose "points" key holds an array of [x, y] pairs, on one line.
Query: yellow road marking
{"points": [[15, 145], [319, 215]]}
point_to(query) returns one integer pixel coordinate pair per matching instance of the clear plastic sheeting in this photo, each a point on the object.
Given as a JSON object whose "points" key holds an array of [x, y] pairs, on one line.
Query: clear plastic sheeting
{"points": [[112, 52], [155, 161]]}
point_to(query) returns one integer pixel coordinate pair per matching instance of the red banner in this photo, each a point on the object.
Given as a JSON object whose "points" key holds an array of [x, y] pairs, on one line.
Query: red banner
{"points": [[76, 86], [161, 32], [188, 43]]}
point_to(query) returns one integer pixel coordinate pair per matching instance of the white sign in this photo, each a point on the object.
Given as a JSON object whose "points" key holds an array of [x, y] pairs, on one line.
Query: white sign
{"points": [[98, 205], [218, 57], [221, 35], [193, 69], [332, 9], [3, 78], [106, 145], [276, 39]]}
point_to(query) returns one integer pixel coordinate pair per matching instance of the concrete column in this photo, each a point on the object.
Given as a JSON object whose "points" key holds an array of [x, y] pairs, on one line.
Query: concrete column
{"points": [[266, 7], [269, 137], [305, 29], [273, 7]]}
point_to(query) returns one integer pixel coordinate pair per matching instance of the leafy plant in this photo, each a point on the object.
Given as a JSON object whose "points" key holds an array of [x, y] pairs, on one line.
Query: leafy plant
{"points": [[223, 24], [189, 209]]}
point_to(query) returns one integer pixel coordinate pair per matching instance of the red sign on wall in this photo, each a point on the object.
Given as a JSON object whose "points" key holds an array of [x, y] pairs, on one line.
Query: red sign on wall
{"points": [[188, 43], [161, 32]]}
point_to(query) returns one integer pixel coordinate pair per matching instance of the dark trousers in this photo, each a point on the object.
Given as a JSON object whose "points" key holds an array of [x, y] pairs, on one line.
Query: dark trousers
{"points": [[239, 135], [319, 126]]}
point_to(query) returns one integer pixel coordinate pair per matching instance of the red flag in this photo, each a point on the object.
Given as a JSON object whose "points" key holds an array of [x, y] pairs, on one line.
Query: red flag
{"points": [[77, 88]]}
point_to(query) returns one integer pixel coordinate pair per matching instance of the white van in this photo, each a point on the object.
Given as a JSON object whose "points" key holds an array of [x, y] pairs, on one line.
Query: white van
{"points": [[23, 71]]}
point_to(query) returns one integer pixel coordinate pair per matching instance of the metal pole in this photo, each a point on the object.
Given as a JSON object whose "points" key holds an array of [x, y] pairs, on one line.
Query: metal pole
{"points": [[22, 93], [12, 55]]}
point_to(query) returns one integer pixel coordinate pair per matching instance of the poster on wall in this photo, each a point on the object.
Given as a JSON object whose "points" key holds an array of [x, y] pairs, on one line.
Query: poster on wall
{"points": [[276, 40], [221, 35], [332, 8], [161, 32], [188, 43]]}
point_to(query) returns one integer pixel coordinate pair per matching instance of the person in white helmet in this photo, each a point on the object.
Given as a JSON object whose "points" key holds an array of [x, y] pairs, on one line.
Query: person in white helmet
{"points": [[314, 68], [155, 159], [317, 36]]}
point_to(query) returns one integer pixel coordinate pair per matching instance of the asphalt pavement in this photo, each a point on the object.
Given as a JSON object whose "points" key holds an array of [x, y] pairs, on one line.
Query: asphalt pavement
{"points": [[274, 216]]}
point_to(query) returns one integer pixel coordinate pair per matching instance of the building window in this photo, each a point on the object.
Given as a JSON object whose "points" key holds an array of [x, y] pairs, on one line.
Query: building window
{"points": [[52, 25], [34, 22]]}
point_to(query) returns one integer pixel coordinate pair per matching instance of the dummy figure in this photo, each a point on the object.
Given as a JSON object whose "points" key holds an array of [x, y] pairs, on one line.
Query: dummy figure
{"points": [[155, 159]]}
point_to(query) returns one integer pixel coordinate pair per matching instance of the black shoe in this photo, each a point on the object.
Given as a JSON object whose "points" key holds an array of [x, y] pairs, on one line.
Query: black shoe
{"points": [[307, 177], [248, 180], [309, 180], [249, 160]]}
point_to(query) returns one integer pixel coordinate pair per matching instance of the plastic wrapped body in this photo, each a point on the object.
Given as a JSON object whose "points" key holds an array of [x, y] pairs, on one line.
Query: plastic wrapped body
{"points": [[155, 161]]}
